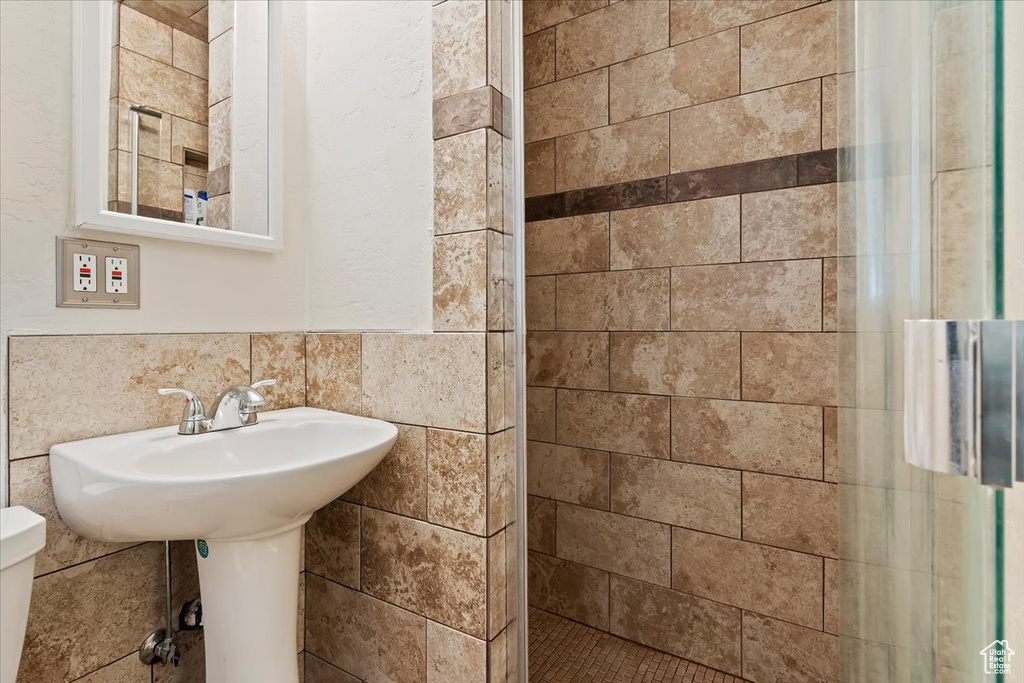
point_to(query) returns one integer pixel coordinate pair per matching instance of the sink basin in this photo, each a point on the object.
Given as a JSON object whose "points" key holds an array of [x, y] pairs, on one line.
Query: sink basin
{"points": [[156, 485], [243, 495]]}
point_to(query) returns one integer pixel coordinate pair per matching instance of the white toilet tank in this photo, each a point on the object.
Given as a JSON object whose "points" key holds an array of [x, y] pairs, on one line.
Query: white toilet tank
{"points": [[22, 535]]}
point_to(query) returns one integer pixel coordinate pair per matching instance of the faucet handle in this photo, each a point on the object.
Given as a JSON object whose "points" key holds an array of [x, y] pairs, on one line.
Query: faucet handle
{"points": [[193, 411], [263, 383]]}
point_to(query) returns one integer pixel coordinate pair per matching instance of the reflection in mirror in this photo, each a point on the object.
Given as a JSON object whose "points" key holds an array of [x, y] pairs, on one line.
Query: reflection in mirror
{"points": [[170, 110]]}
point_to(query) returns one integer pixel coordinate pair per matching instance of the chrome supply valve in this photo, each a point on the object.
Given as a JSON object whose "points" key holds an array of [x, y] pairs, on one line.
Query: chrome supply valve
{"points": [[236, 406]]}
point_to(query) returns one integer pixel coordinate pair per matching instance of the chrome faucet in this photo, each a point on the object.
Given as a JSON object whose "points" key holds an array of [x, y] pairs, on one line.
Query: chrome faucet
{"points": [[236, 406]]}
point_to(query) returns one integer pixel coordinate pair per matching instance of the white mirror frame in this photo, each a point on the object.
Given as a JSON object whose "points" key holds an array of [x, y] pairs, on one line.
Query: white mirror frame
{"points": [[90, 101]]}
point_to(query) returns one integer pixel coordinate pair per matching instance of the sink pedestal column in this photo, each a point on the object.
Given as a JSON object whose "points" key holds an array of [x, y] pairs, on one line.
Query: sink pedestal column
{"points": [[250, 591]]}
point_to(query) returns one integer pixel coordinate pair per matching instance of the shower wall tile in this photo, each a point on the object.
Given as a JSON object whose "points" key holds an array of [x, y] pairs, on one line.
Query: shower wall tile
{"points": [[128, 669], [613, 154], [832, 598], [761, 437], [775, 651], [429, 570], [572, 590], [617, 300], [609, 35], [540, 514], [567, 106], [333, 372], [497, 590], [454, 657], [191, 54], [695, 19], [577, 360], [791, 513], [623, 545], [539, 58], [567, 245], [686, 233], [676, 493], [539, 160], [540, 414], [772, 295], [467, 111], [459, 47], [760, 125], [771, 581], [144, 35], [368, 637], [112, 381], [457, 480], [624, 423], [281, 357], [789, 48], [540, 303], [793, 223], [571, 475], [332, 543], [686, 626], [540, 14], [703, 364], [460, 182], [790, 367], [399, 483], [319, 671], [460, 281], [691, 73]]}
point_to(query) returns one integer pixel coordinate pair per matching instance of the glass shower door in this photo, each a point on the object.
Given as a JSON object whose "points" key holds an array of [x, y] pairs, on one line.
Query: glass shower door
{"points": [[931, 560]]}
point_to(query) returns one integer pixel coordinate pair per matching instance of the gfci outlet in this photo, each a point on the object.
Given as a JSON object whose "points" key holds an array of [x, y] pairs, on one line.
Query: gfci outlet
{"points": [[83, 263], [117, 275]]}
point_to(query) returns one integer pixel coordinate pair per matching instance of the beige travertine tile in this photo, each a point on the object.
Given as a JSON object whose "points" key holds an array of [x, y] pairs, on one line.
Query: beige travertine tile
{"points": [[681, 494], [457, 480], [460, 281], [572, 475], [693, 628], [160, 182], [832, 596], [436, 380], [679, 234], [829, 293], [191, 54], [613, 154], [540, 303], [794, 223], [428, 569], [281, 357], [760, 125], [622, 545], [681, 76], [31, 486], [791, 513], [221, 65], [540, 515], [789, 48], [539, 160], [399, 483], [497, 655], [572, 590], [681, 363], [501, 485], [221, 17], [540, 414], [144, 35], [539, 58], [495, 178], [831, 457], [319, 671], [498, 248], [790, 367], [497, 593], [112, 382], [496, 390], [609, 35], [155, 136], [333, 373], [771, 581], [220, 134], [566, 106], [460, 47], [777, 652], [128, 669], [764, 437], [332, 543], [368, 637], [624, 423], [460, 182], [695, 19], [771, 295], [454, 657], [185, 133], [617, 300], [829, 111], [567, 245], [577, 360], [122, 596], [539, 14]]}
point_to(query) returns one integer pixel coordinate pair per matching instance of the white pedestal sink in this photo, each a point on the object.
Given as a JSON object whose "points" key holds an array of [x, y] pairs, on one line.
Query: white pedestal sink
{"points": [[246, 494]]}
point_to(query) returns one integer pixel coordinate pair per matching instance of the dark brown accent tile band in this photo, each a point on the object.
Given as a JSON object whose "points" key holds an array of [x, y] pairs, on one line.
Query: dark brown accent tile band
{"points": [[753, 176], [471, 110]]}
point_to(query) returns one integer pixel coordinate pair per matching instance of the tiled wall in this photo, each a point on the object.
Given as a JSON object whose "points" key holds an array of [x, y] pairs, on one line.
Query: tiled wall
{"points": [[680, 261], [222, 47], [160, 60]]}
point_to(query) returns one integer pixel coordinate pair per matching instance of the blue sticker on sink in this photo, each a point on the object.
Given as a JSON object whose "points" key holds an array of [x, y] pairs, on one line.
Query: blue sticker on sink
{"points": [[204, 550]]}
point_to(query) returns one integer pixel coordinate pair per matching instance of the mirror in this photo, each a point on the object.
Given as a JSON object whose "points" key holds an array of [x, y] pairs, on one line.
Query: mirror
{"points": [[176, 133]]}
